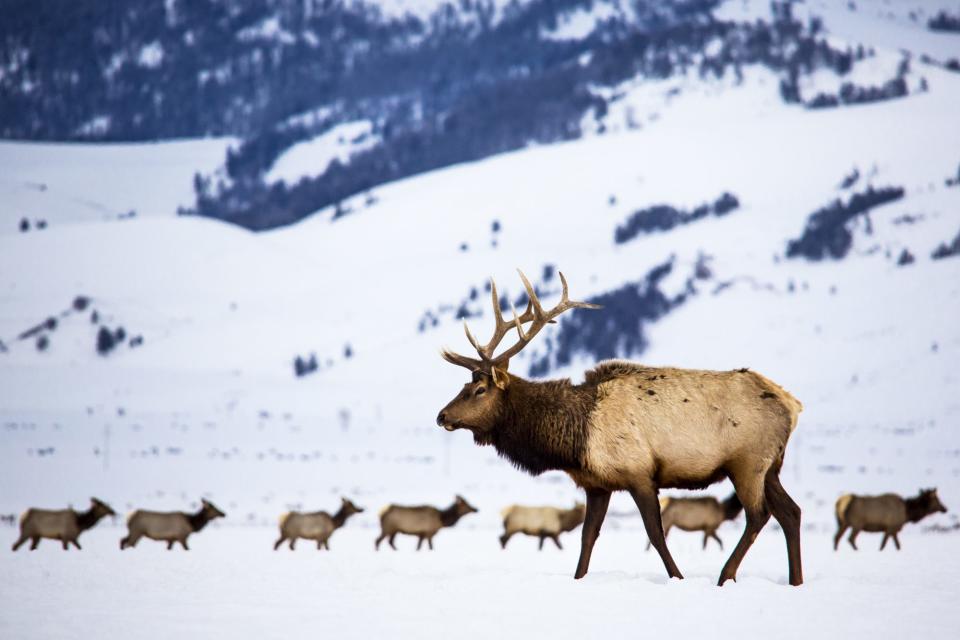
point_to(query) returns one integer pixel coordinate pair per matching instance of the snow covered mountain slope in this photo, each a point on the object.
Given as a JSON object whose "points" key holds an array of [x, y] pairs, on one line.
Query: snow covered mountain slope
{"points": [[865, 343]]}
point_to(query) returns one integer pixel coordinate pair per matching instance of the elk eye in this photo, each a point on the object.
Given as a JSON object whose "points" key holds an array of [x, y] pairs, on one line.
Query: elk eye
{"points": [[480, 391]]}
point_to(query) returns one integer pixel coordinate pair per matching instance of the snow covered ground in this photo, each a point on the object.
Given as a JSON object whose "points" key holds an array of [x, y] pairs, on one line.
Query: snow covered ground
{"points": [[232, 584], [208, 404]]}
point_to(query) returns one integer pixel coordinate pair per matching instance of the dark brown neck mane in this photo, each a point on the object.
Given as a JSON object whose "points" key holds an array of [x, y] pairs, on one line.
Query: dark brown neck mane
{"points": [[450, 515], [918, 508], [199, 519], [341, 516], [543, 425], [86, 519]]}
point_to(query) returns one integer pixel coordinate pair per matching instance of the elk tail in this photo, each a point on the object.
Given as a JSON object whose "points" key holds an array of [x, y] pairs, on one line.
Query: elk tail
{"points": [[283, 518], [843, 502], [664, 501], [731, 507], [384, 510], [506, 511]]}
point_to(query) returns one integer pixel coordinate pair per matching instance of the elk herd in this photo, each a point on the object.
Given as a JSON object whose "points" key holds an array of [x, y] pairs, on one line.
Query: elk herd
{"points": [[626, 427]]}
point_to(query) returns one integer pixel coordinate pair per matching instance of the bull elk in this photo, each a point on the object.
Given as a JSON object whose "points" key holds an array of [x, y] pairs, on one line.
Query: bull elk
{"points": [[169, 527], [64, 525], [423, 522], [318, 526], [540, 522], [630, 427], [698, 514], [886, 513]]}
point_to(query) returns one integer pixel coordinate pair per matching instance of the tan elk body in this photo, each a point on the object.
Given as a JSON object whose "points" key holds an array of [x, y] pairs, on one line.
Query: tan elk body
{"points": [[423, 522], [886, 513], [169, 526], [64, 525], [631, 427], [704, 514], [540, 522], [318, 525]]}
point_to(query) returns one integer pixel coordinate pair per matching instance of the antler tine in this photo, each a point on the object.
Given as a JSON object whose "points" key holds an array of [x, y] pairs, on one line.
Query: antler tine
{"points": [[532, 296], [473, 341], [497, 316], [516, 321], [462, 361], [564, 298]]}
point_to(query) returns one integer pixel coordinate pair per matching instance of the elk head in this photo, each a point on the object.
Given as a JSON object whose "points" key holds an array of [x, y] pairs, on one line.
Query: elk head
{"points": [[462, 507], [349, 508], [479, 404], [932, 501], [210, 510], [101, 508]]}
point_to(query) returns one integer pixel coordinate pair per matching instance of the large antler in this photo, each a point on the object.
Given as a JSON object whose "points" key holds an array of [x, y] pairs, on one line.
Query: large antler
{"points": [[534, 314]]}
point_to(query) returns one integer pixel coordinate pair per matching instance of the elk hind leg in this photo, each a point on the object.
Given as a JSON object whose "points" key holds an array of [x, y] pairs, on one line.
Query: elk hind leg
{"points": [[556, 541], [787, 513], [896, 540], [280, 541], [854, 532], [19, 543], [597, 502], [649, 506], [749, 489], [713, 534], [841, 529]]}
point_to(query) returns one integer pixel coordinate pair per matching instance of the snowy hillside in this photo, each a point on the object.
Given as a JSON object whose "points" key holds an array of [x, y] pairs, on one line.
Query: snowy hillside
{"points": [[691, 205]]}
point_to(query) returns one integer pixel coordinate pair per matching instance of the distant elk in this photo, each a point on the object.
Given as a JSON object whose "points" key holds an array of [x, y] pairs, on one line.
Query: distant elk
{"points": [[540, 522], [698, 514], [169, 527], [64, 525], [634, 428], [886, 513], [423, 522], [318, 525]]}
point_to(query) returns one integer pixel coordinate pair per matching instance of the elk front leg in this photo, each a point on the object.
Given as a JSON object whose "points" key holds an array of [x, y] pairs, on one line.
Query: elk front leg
{"points": [[597, 502], [649, 506]]}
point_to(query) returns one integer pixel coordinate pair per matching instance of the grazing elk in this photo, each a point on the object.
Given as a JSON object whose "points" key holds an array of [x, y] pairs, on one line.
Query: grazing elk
{"points": [[169, 527], [540, 522], [698, 514], [64, 525], [318, 525], [423, 522], [634, 428], [887, 513]]}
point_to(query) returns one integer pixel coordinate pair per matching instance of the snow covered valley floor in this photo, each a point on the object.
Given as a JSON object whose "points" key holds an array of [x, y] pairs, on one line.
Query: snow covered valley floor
{"points": [[232, 584]]}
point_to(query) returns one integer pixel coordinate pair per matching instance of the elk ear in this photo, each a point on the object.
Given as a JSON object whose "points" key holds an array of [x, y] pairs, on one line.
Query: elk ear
{"points": [[500, 377]]}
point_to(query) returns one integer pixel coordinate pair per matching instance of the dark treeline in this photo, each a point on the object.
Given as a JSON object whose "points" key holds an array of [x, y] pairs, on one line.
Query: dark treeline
{"points": [[663, 217], [826, 234]]}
